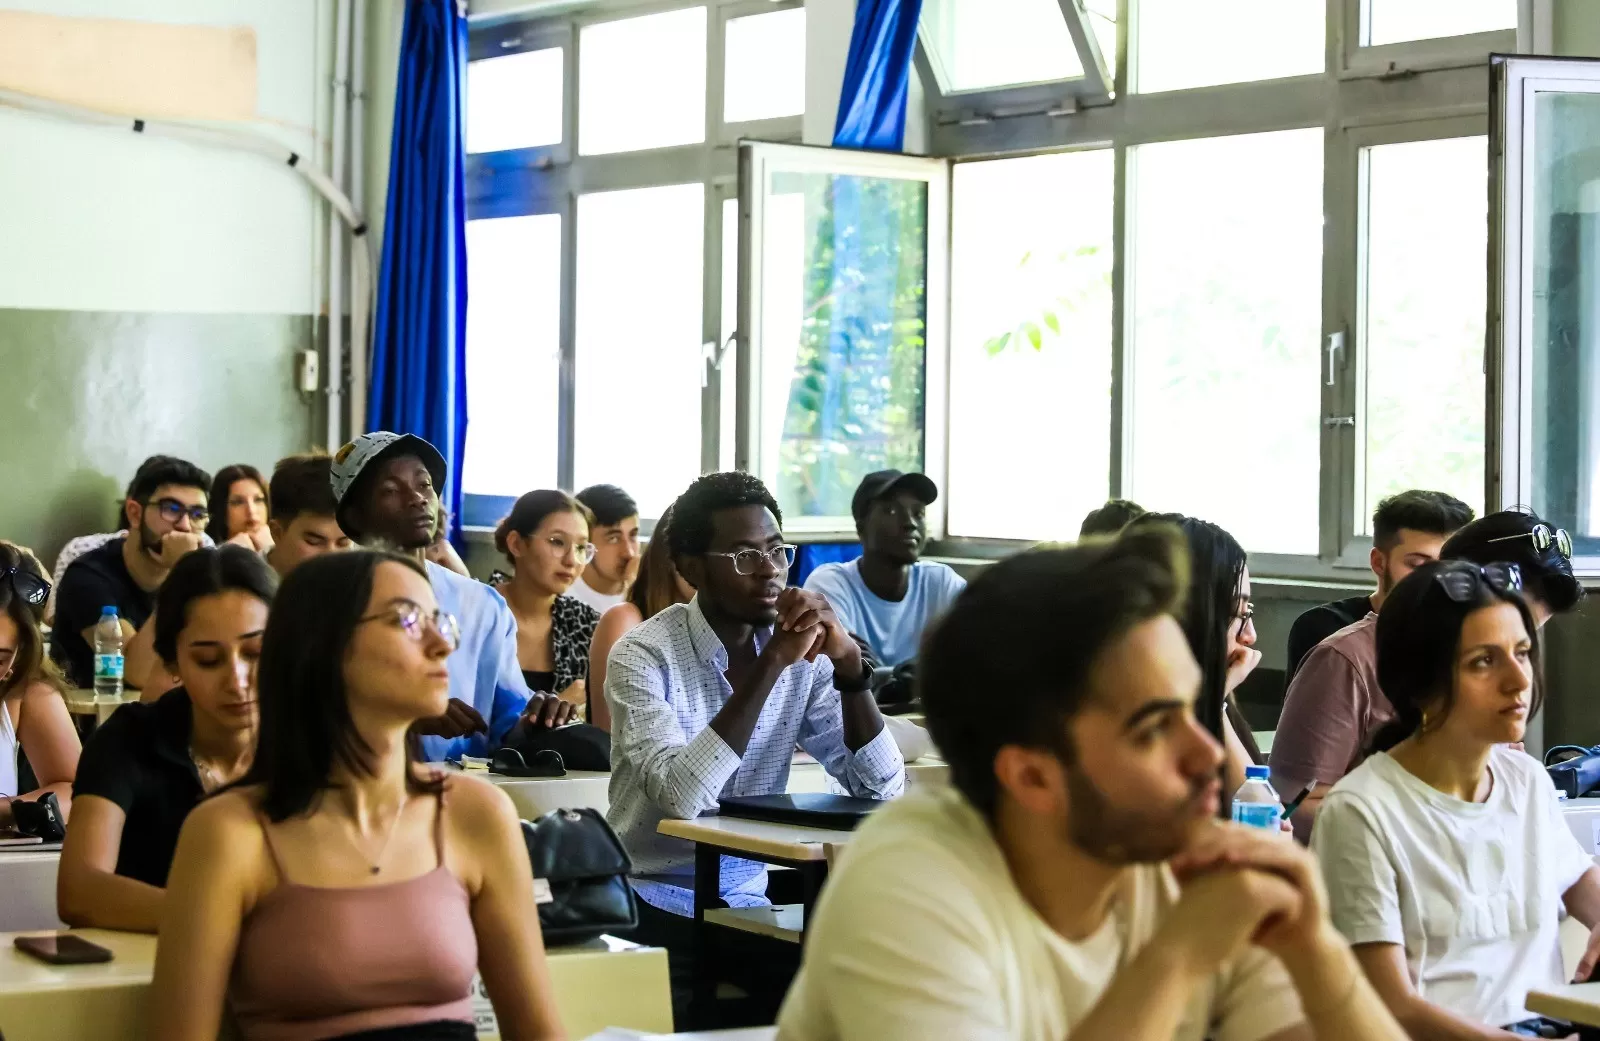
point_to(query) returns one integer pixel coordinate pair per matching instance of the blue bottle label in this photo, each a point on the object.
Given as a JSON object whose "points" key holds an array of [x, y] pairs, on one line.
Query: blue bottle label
{"points": [[108, 666], [1263, 815]]}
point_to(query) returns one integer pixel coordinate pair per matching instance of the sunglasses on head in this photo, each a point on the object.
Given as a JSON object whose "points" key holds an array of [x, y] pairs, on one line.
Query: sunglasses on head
{"points": [[1544, 536], [29, 587], [1460, 580]]}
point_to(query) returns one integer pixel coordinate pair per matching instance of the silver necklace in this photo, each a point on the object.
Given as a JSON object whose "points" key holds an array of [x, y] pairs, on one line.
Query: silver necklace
{"points": [[210, 779], [375, 863]]}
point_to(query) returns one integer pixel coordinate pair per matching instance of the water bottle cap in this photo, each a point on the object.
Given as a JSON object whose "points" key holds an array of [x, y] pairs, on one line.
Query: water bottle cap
{"points": [[112, 611], [1257, 773]]}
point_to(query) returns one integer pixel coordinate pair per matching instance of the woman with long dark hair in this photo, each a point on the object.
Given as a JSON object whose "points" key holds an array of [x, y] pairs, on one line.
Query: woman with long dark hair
{"points": [[1219, 621], [1447, 861], [151, 763], [342, 889], [33, 714], [239, 508], [657, 588], [546, 539]]}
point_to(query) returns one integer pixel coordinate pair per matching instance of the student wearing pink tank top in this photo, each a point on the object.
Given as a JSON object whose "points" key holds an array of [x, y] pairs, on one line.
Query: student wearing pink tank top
{"points": [[340, 891]]}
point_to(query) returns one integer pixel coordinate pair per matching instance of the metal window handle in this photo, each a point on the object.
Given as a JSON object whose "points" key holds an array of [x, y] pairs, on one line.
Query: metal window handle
{"points": [[1339, 421], [1335, 345], [712, 356]]}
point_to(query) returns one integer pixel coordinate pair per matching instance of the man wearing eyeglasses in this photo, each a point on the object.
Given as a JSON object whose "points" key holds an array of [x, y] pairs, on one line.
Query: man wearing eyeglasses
{"points": [[385, 485], [709, 698], [167, 513]]}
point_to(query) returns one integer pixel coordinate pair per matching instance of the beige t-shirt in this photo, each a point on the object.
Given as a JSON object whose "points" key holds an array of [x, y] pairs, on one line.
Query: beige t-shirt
{"points": [[922, 934]]}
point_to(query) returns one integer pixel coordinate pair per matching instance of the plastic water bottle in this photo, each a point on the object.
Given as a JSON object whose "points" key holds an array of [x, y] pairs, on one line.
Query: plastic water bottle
{"points": [[108, 660], [1256, 803]]}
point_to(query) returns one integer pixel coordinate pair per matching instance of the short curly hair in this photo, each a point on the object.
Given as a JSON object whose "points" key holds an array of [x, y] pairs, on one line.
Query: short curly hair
{"points": [[691, 531]]}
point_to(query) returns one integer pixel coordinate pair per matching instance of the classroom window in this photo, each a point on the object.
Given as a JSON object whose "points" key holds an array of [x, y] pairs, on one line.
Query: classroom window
{"points": [[515, 101], [1030, 344], [637, 344], [764, 66], [642, 82], [1398, 21], [844, 318], [1425, 220], [1180, 44], [1224, 319], [978, 44], [513, 354]]}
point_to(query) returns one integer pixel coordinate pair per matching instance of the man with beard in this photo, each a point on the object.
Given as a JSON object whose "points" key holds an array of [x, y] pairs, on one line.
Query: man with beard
{"points": [[167, 512], [709, 698], [1333, 704], [889, 594], [1408, 531], [1073, 881], [385, 486]]}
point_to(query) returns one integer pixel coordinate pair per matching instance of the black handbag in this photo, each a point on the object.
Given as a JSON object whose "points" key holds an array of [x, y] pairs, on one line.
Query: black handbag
{"points": [[581, 859]]}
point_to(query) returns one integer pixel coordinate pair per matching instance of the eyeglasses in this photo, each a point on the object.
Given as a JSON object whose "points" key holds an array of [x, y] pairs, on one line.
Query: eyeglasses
{"points": [[172, 511], [1246, 618], [583, 551], [747, 561], [1460, 579], [29, 587], [415, 621], [1544, 536]]}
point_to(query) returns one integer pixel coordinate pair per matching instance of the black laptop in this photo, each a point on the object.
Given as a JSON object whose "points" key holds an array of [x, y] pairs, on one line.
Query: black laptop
{"points": [[817, 810]]}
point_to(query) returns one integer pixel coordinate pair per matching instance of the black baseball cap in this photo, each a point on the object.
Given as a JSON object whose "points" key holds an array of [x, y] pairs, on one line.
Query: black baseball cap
{"points": [[875, 486]]}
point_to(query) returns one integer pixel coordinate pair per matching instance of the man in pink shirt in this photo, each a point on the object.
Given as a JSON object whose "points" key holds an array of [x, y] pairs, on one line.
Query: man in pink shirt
{"points": [[1333, 703]]}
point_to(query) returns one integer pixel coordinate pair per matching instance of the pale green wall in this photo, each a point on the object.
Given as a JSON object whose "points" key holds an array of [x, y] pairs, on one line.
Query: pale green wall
{"points": [[88, 395], [1576, 27]]}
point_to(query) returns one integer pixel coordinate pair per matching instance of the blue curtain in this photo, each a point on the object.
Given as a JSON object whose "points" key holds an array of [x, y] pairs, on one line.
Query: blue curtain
{"points": [[872, 106], [419, 368], [811, 555]]}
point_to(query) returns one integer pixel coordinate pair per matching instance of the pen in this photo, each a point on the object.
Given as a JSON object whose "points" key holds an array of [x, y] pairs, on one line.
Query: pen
{"points": [[1298, 799]]}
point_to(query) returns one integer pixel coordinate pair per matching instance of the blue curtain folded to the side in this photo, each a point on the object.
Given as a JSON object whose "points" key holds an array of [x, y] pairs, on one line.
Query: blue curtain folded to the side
{"points": [[419, 372]]}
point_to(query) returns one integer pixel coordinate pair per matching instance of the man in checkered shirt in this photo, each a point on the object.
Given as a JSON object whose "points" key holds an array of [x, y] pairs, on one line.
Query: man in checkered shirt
{"points": [[709, 698]]}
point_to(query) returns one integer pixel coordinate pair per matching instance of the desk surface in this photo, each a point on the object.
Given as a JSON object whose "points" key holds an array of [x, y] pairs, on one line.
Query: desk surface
{"points": [[788, 841], [1576, 1002], [132, 963]]}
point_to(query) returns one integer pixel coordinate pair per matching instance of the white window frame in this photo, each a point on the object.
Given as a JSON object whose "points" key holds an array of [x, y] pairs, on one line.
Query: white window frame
{"points": [[1052, 99], [757, 160], [550, 179], [1511, 287], [1438, 88]]}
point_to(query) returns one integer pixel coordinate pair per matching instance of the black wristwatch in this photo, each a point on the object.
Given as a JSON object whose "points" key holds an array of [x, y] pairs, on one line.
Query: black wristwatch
{"points": [[861, 683]]}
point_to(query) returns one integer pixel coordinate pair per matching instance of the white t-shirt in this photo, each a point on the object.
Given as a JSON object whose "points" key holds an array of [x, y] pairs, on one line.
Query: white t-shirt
{"points": [[921, 934], [892, 628], [1472, 890], [601, 602]]}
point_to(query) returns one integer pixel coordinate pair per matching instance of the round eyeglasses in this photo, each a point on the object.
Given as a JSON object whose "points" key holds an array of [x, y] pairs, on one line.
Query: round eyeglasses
{"points": [[749, 561]]}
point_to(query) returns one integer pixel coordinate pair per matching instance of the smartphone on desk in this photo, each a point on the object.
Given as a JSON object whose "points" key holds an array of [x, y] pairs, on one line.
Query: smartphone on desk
{"points": [[63, 949]]}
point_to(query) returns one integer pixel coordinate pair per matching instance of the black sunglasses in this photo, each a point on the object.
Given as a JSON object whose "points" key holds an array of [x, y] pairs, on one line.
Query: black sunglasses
{"points": [[29, 587], [1460, 580]]}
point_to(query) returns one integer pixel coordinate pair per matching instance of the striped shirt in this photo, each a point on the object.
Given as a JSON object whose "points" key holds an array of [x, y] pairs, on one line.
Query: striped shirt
{"points": [[665, 682]]}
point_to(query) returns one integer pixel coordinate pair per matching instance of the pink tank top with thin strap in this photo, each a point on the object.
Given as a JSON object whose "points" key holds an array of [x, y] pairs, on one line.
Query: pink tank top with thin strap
{"points": [[318, 962]]}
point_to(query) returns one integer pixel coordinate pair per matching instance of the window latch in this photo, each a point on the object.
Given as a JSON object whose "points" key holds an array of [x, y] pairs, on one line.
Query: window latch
{"points": [[1339, 421], [1335, 345]]}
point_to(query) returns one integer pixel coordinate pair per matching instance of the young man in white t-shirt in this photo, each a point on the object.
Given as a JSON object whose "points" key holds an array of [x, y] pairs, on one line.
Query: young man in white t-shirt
{"points": [[1073, 881], [605, 581]]}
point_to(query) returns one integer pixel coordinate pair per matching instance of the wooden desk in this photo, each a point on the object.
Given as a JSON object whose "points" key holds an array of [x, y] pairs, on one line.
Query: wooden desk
{"points": [[28, 887], [1576, 1002], [40, 1002], [604, 983]]}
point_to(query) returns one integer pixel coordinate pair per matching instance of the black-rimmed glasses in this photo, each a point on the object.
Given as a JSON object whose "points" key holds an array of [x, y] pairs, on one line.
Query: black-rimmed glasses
{"points": [[746, 561], [172, 511], [29, 587], [1460, 579], [1544, 536], [416, 621]]}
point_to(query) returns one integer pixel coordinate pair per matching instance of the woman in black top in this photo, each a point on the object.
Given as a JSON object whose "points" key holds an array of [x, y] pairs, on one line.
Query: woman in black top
{"points": [[546, 538], [151, 763]]}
